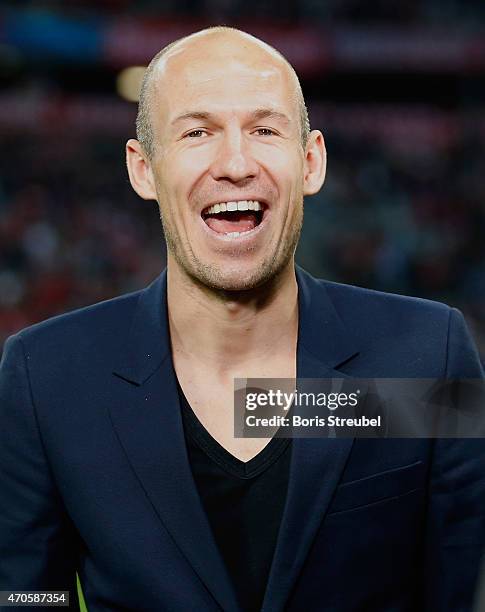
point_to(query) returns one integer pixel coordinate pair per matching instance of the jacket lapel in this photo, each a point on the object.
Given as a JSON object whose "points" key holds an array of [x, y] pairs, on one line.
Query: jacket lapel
{"points": [[149, 426], [316, 464]]}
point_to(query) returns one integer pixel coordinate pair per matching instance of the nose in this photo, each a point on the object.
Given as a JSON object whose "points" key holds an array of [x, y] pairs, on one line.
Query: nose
{"points": [[234, 161]]}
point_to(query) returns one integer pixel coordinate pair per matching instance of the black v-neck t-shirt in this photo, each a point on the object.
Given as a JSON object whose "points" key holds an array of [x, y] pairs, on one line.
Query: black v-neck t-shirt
{"points": [[244, 503]]}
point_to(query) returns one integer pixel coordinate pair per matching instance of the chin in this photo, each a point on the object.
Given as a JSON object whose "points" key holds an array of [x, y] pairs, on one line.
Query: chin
{"points": [[223, 279]]}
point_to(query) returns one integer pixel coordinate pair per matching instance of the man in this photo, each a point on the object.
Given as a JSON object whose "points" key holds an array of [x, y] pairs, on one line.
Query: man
{"points": [[117, 453]]}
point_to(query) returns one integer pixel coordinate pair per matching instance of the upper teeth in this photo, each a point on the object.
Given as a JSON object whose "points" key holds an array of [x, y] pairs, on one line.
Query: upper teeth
{"points": [[231, 206]]}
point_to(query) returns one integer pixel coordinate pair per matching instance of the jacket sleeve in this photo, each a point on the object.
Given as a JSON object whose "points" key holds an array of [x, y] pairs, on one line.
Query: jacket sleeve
{"points": [[456, 516], [37, 540]]}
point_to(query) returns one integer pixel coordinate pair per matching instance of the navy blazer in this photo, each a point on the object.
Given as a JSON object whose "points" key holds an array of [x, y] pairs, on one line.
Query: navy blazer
{"points": [[94, 475]]}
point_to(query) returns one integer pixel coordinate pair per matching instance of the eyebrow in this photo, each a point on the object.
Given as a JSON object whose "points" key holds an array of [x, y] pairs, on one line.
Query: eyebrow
{"points": [[258, 114]]}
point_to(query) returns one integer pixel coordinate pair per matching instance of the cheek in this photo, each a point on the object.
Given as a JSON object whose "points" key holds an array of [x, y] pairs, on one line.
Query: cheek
{"points": [[286, 167], [191, 162], [273, 155], [183, 175], [175, 179]]}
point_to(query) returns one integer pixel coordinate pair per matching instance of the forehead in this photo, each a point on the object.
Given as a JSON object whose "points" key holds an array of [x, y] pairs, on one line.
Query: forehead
{"points": [[221, 79]]}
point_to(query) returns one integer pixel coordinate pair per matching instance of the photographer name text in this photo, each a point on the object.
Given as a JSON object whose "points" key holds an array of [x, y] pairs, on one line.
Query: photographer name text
{"points": [[298, 421]]}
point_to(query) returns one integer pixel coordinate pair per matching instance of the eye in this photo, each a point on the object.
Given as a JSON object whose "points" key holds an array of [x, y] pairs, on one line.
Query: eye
{"points": [[265, 131], [195, 134]]}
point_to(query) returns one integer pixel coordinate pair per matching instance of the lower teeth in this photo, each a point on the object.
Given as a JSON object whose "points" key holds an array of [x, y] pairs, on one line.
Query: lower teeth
{"points": [[236, 234]]}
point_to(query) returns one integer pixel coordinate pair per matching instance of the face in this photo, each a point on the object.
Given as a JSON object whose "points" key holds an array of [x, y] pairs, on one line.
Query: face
{"points": [[229, 167]]}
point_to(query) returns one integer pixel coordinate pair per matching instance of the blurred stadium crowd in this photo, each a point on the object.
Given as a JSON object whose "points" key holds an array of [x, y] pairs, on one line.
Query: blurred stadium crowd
{"points": [[429, 12], [402, 210]]}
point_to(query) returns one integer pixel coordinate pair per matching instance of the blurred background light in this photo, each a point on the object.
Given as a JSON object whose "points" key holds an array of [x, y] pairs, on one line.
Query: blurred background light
{"points": [[128, 83]]}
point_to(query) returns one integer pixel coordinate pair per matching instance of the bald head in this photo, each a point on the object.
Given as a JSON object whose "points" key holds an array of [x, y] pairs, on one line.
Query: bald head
{"points": [[219, 44]]}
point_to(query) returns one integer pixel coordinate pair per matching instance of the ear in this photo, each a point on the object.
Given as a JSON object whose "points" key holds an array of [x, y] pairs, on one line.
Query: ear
{"points": [[140, 171], [315, 164]]}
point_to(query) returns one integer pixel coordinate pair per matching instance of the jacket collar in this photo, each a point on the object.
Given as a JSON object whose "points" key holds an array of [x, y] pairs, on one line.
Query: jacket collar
{"points": [[148, 343], [323, 341]]}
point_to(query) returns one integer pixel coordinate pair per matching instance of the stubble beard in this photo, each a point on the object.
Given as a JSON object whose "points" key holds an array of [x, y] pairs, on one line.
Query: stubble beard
{"points": [[215, 279]]}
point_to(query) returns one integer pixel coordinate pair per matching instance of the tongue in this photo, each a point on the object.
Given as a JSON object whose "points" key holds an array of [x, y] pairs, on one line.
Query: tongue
{"points": [[240, 221]]}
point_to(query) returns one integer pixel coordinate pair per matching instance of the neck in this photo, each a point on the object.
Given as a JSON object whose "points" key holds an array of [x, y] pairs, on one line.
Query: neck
{"points": [[228, 330]]}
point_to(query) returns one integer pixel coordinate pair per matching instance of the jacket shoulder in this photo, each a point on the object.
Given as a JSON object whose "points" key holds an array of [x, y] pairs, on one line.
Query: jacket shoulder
{"points": [[84, 326], [409, 320], [398, 336], [385, 303]]}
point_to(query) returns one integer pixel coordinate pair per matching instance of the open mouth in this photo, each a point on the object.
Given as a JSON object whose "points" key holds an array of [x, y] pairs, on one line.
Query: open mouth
{"points": [[234, 218]]}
